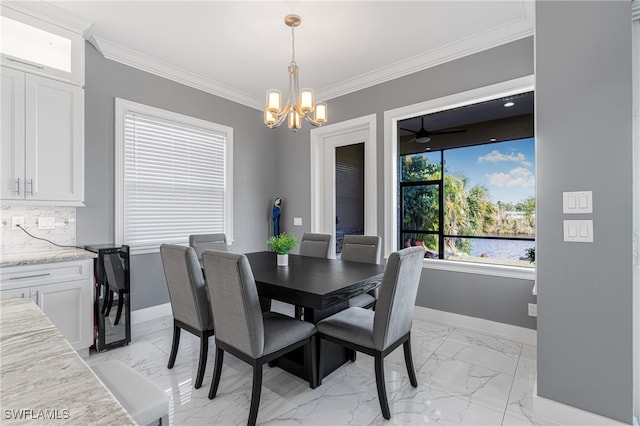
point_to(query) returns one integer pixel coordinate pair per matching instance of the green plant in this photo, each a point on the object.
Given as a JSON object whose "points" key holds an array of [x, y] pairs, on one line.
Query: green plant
{"points": [[282, 243], [531, 254]]}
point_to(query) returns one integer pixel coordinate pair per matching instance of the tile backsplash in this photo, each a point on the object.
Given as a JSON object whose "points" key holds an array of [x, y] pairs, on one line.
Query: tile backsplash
{"points": [[17, 241]]}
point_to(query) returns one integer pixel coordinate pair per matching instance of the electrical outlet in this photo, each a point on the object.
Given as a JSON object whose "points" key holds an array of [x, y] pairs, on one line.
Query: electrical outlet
{"points": [[533, 309], [15, 221]]}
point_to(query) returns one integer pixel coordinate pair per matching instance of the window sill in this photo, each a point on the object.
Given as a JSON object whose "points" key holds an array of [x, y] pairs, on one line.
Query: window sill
{"points": [[516, 272]]}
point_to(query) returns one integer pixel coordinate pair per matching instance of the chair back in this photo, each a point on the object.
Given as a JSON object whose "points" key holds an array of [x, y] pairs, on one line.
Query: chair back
{"points": [[114, 270], [361, 248], [202, 242], [234, 297], [187, 289], [315, 245], [394, 308]]}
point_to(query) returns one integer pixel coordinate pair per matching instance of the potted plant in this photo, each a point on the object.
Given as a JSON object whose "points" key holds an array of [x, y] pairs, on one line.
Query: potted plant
{"points": [[282, 244]]}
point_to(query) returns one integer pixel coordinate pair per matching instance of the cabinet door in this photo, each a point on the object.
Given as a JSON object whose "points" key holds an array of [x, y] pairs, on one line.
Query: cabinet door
{"points": [[69, 307], [54, 149], [12, 131]]}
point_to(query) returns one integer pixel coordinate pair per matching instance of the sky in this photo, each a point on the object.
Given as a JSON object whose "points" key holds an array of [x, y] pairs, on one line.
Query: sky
{"points": [[506, 169]]}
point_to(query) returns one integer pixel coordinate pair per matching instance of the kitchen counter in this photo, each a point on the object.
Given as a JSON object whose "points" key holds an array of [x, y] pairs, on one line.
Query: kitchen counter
{"points": [[51, 256], [43, 379]]}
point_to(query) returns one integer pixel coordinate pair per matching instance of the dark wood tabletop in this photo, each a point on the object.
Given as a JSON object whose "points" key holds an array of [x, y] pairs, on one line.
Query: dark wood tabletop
{"points": [[313, 283]]}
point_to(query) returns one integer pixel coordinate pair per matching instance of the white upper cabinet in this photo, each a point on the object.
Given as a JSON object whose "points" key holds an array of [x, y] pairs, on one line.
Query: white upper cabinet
{"points": [[42, 142], [40, 47]]}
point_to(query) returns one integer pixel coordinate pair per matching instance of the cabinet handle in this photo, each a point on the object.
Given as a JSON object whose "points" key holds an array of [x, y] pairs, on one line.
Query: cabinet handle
{"points": [[30, 183], [18, 186], [30, 276], [25, 63]]}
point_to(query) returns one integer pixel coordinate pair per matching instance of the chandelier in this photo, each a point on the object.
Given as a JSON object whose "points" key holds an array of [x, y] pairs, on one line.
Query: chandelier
{"points": [[300, 103]]}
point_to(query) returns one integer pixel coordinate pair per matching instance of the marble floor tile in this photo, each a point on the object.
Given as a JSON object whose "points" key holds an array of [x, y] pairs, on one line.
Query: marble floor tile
{"points": [[483, 350], [478, 385], [464, 377]]}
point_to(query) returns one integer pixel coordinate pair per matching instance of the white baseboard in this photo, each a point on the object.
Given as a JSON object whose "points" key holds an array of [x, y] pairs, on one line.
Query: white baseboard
{"points": [[507, 331], [151, 313], [562, 414]]}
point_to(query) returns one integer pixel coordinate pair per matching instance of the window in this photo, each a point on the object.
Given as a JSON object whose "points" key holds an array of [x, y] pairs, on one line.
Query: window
{"points": [[173, 177], [446, 111], [474, 203]]}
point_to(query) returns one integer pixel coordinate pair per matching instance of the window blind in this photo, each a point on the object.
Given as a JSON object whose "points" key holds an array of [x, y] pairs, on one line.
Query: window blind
{"points": [[174, 181]]}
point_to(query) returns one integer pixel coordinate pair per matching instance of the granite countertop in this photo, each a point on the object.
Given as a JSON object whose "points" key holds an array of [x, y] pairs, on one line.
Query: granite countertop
{"points": [[43, 379], [51, 256]]}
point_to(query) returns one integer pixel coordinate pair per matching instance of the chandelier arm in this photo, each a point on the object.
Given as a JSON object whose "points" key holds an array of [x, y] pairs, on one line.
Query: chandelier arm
{"points": [[310, 120]]}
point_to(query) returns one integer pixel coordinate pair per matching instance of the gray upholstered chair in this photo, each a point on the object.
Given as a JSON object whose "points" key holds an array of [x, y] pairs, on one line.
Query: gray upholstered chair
{"points": [[114, 270], [244, 331], [202, 242], [380, 332], [315, 245], [190, 302], [365, 249]]}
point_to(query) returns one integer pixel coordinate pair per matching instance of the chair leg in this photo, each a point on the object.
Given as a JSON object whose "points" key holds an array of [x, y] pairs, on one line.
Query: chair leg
{"points": [[382, 392], [202, 363], [217, 372], [255, 394], [120, 305], [174, 346], [310, 361], [320, 361], [352, 355], [109, 305], [105, 298], [298, 312], [408, 360]]}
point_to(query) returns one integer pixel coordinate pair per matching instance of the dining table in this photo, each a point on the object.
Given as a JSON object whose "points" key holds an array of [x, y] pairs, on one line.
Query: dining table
{"points": [[321, 287]]}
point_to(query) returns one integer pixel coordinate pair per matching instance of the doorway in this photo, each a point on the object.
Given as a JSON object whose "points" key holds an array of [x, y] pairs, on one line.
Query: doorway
{"points": [[343, 179], [349, 189]]}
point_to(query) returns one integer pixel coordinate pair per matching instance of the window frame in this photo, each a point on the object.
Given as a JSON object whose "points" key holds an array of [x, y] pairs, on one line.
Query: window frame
{"points": [[121, 107], [391, 186]]}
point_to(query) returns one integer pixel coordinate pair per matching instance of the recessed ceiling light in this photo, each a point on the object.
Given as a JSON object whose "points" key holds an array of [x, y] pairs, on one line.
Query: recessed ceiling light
{"points": [[509, 104], [493, 139], [428, 149]]}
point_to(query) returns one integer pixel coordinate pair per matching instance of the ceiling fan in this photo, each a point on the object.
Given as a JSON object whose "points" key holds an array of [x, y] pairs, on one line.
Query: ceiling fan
{"points": [[424, 136]]}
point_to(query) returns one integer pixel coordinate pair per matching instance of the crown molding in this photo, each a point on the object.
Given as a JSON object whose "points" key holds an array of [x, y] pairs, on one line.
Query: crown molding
{"points": [[49, 13], [135, 59], [516, 30]]}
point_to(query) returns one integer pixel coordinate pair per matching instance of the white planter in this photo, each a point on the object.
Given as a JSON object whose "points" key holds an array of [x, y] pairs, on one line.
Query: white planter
{"points": [[283, 259]]}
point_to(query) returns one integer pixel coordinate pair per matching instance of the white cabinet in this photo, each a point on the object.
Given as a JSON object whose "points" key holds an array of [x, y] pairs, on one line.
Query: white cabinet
{"points": [[42, 146], [40, 45], [64, 292]]}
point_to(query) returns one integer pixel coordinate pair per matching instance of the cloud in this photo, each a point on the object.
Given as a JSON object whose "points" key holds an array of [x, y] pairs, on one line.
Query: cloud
{"points": [[515, 178], [496, 156]]}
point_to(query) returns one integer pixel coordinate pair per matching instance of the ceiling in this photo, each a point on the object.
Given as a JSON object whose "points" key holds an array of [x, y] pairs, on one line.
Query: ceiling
{"points": [[238, 49], [483, 122]]}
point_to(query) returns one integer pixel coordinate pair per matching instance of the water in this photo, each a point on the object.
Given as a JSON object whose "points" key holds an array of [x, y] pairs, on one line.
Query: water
{"points": [[503, 249]]}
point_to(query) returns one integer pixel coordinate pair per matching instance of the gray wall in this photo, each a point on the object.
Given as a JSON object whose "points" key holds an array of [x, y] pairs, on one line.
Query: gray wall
{"points": [[498, 299], [584, 142], [254, 159]]}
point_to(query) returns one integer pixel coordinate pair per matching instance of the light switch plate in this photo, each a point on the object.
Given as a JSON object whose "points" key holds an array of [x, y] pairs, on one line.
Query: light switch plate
{"points": [[297, 221], [578, 231], [46, 222], [577, 202]]}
